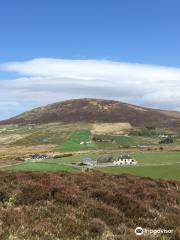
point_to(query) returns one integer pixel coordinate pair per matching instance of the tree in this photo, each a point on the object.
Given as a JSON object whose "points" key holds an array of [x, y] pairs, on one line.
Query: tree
{"points": [[167, 140]]}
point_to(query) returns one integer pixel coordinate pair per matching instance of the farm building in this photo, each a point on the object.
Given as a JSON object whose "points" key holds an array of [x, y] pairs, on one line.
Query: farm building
{"points": [[39, 156], [87, 142], [87, 162], [166, 140], [104, 159], [124, 160]]}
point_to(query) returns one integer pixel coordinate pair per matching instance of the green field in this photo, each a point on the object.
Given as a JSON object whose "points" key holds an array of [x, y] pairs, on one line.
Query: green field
{"points": [[157, 157], [71, 159], [67, 138], [108, 141], [73, 141], [152, 164], [40, 166], [157, 165], [164, 172], [40, 134], [152, 158]]}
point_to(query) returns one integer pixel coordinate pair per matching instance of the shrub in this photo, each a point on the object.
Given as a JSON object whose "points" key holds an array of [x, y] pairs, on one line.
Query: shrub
{"points": [[52, 206], [97, 226], [63, 155]]}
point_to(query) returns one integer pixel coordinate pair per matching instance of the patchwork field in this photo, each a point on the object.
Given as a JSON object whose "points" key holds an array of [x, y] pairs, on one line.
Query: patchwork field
{"points": [[73, 143], [58, 198], [143, 158], [165, 165], [109, 141], [19, 142]]}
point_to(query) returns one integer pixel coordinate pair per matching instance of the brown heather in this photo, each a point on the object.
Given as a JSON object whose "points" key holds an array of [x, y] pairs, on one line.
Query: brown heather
{"points": [[86, 206]]}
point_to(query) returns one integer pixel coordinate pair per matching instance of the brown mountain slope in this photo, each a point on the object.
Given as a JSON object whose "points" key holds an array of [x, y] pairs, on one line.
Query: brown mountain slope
{"points": [[98, 110]]}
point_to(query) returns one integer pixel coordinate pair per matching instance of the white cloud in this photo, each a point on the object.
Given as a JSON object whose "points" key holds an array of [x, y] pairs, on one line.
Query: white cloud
{"points": [[42, 81]]}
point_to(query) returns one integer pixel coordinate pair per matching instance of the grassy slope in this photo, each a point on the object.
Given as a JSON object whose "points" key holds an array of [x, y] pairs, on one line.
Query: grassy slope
{"points": [[123, 141], [45, 134], [43, 167], [164, 172], [68, 136], [154, 168], [170, 171], [157, 157], [73, 141], [58, 134], [141, 157]]}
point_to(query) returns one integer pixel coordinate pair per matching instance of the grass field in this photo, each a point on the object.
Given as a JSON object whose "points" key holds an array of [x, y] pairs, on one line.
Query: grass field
{"points": [[68, 136], [109, 141], [157, 165], [141, 157], [71, 159], [22, 140], [40, 166], [164, 171], [43, 134], [73, 141], [157, 157]]}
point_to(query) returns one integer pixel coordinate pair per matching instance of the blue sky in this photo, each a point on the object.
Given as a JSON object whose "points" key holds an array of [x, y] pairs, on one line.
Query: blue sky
{"points": [[124, 31]]}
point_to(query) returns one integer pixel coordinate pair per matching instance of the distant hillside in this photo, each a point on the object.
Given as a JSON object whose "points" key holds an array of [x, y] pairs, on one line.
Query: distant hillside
{"points": [[98, 110]]}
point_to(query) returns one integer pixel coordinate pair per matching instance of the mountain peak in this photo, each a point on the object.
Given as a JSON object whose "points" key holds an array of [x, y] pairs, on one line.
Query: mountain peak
{"points": [[98, 110]]}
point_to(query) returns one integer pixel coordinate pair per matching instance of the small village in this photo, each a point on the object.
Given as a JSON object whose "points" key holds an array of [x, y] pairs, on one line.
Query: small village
{"points": [[121, 160], [88, 162]]}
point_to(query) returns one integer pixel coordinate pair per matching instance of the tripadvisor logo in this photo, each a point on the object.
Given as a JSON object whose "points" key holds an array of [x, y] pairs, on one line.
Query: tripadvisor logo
{"points": [[139, 231]]}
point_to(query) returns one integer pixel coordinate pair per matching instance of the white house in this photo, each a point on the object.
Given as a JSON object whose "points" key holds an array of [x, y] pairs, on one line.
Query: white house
{"points": [[124, 160], [88, 142]]}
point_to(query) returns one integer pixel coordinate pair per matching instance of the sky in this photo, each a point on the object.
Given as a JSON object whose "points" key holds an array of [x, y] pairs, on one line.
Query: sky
{"points": [[127, 50]]}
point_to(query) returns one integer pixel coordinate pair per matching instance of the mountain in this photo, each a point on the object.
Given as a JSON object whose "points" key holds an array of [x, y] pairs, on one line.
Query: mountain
{"points": [[98, 110]]}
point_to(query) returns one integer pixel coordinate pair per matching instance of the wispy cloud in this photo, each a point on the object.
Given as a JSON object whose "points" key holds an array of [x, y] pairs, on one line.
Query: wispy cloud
{"points": [[43, 81]]}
